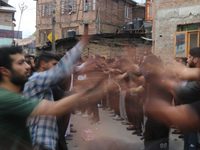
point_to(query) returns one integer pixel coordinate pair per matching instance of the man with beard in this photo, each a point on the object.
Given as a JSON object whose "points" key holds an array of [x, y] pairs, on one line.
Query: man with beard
{"points": [[15, 108], [50, 72], [40, 85], [186, 116], [189, 94]]}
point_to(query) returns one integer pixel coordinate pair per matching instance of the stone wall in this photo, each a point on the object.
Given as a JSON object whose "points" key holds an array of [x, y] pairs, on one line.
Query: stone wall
{"points": [[170, 14]]}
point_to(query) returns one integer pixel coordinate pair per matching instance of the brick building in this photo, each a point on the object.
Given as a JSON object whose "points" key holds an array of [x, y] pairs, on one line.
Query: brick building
{"points": [[103, 17], [6, 23], [176, 27]]}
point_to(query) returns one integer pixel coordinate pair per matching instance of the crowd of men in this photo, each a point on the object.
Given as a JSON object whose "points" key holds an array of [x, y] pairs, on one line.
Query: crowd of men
{"points": [[37, 96]]}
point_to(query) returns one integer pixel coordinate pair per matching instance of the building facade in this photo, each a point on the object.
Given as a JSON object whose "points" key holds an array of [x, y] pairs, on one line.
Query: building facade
{"points": [[101, 16], [6, 24], [176, 27]]}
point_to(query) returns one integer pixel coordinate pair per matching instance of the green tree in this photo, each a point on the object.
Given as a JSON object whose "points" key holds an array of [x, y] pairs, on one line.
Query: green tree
{"points": [[34, 34]]}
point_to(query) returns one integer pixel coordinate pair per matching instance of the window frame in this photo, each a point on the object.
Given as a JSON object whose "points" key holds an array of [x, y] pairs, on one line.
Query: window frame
{"points": [[90, 5], [44, 34], [64, 6], [187, 38], [185, 44], [127, 12], [192, 32], [46, 10]]}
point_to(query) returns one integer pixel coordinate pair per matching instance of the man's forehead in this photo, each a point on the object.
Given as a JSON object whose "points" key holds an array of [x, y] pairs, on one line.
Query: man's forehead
{"points": [[54, 60], [16, 57]]}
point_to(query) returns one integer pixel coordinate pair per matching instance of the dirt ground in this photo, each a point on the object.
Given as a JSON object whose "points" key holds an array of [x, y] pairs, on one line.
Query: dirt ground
{"points": [[110, 134]]}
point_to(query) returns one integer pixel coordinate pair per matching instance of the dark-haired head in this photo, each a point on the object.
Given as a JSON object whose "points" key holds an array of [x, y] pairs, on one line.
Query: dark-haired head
{"points": [[46, 57], [5, 59], [152, 59], [152, 64], [194, 57], [195, 52]]}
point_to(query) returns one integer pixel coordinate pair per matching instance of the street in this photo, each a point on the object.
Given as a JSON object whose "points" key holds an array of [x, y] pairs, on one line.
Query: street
{"points": [[110, 134]]}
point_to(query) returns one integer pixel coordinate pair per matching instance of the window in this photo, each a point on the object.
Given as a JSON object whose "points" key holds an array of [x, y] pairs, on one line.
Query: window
{"points": [[127, 12], [64, 31], [94, 5], [43, 35], [190, 28], [183, 28], [187, 37], [62, 7], [68, 6], [43, 10], [193, 40], [89, 5], [46, 10], [180, 44], [8, 18], [50, 10]]}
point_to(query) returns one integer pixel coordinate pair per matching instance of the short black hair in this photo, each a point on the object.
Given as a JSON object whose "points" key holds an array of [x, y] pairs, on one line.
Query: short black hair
{"points": [[195, 52], [153, 59], [5, 59], [47, 57]]}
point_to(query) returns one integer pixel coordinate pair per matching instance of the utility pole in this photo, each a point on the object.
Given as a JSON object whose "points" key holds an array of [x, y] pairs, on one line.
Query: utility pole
{"points": [[53, 26], [23, 7]]}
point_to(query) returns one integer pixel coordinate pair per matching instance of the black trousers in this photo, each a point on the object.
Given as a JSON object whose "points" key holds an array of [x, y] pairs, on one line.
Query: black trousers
{"points": [[156, 136]]}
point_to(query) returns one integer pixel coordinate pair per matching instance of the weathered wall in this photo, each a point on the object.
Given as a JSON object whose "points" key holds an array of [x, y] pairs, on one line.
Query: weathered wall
{"points": [[102, 49], [6, 24], [169, 14], [113, 51]]}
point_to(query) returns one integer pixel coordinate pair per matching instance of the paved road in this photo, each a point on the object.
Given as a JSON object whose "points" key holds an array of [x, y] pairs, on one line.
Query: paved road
{"points": [[110, 135]]}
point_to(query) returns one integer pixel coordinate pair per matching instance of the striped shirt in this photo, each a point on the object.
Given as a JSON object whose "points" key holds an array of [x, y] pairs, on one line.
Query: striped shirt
{"points": [[43, 129]]}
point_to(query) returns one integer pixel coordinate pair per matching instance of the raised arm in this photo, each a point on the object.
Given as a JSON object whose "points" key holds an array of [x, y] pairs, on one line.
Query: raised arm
{"points": [[63, 68], [185, 73]]}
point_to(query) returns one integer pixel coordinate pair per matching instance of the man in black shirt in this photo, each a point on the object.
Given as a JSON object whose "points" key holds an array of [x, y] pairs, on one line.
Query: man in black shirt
{"points": [[156, 134], [185, 115], [189, 94]]}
